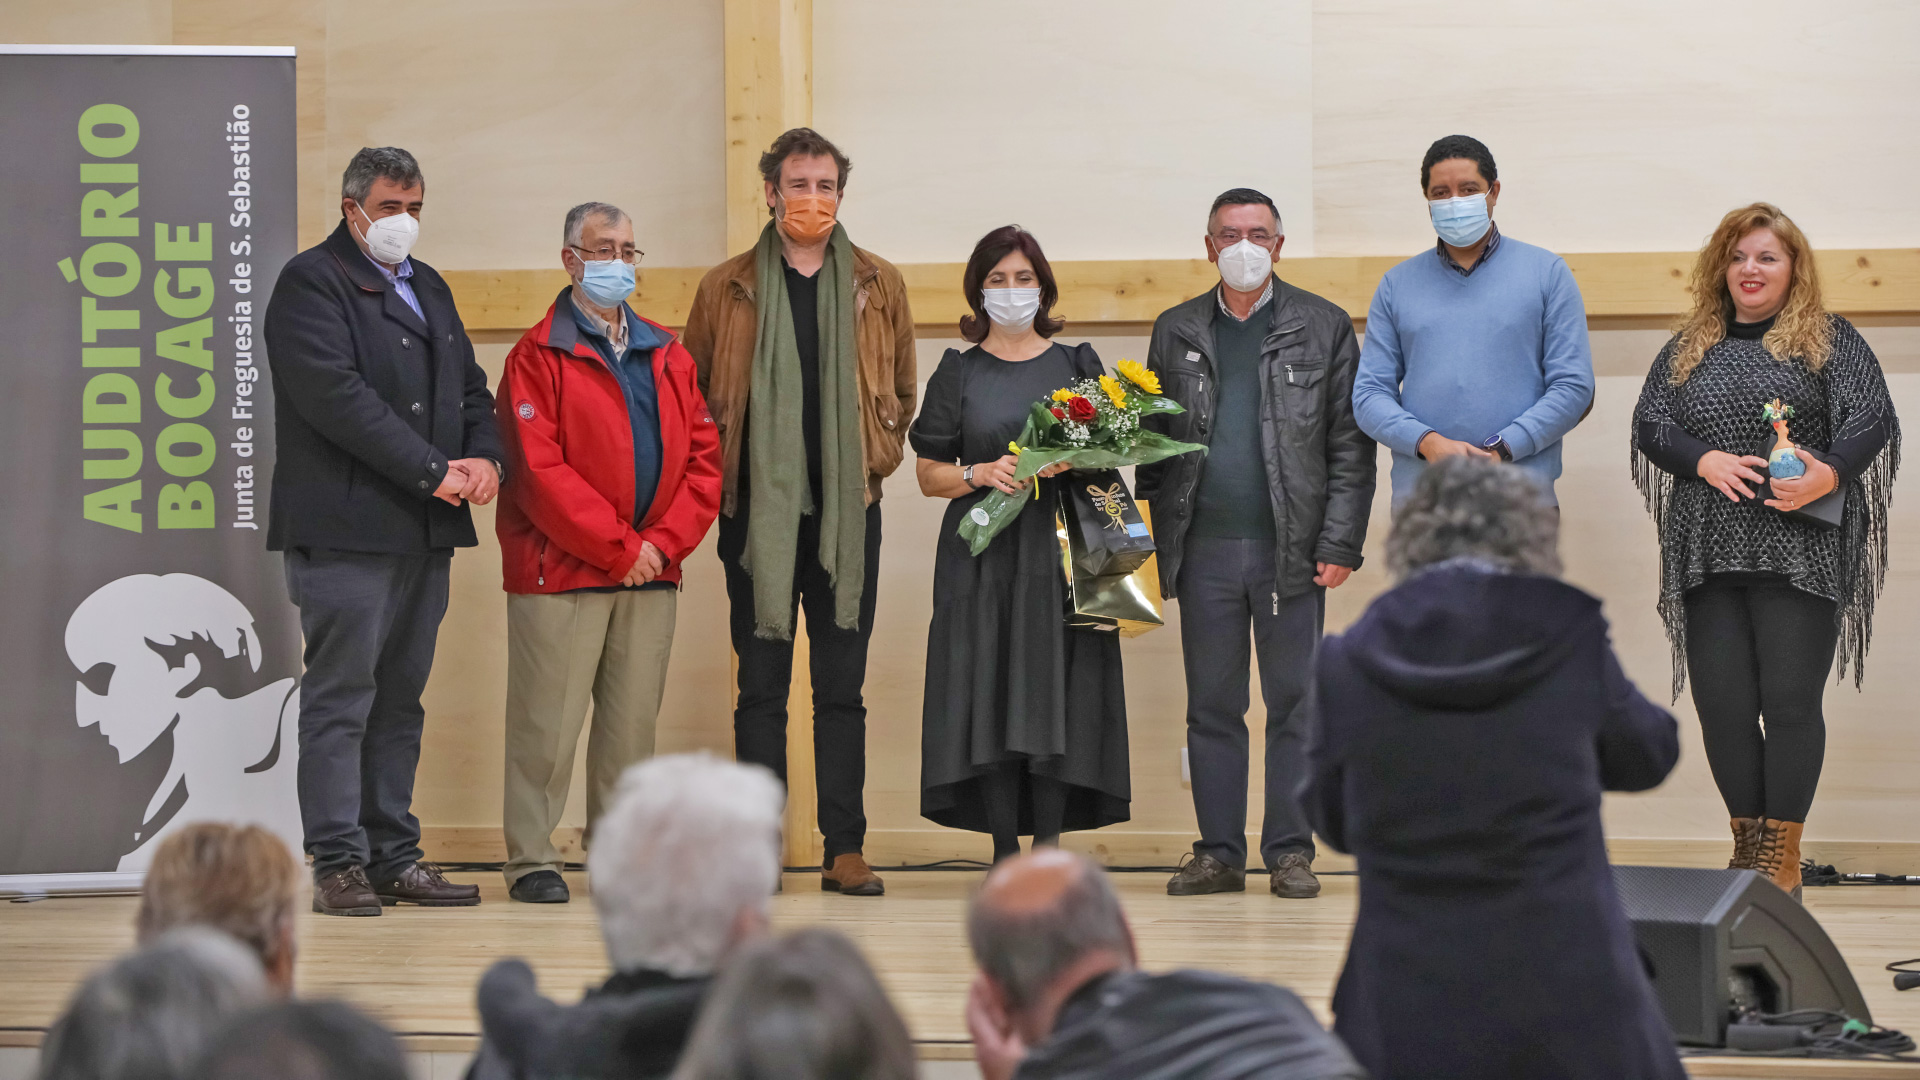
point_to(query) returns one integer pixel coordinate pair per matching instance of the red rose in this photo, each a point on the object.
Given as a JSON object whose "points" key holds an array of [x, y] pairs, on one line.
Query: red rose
{"points": [[1058, 413], [1081, 410]]}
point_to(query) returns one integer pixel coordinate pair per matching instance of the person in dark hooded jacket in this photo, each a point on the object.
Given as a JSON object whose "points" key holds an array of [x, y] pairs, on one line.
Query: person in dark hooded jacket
{"points": [[1462, 733]]}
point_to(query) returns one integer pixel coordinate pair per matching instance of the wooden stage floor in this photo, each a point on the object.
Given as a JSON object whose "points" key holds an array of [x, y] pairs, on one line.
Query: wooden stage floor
{"points": [[415, 968]]}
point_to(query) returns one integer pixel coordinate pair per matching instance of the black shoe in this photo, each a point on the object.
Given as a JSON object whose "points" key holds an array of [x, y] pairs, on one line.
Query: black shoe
{"points": [[1292, 877], [1206, 874], [540, 887]]}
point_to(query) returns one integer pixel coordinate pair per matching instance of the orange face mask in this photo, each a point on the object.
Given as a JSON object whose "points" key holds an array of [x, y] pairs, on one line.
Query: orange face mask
{"points": [[809, 218]]}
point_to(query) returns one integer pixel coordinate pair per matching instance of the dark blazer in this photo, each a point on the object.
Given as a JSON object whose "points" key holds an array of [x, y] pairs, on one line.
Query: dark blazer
{"points": [[1461, 734], [1319, 463], [370, 403]]}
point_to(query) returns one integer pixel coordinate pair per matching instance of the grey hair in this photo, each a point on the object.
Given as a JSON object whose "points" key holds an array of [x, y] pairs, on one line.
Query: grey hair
{"points": [[805, 1006], [1467, 509], [605, 213], [1025, 951], [149, 1015], [689, 843], [375, 162]]}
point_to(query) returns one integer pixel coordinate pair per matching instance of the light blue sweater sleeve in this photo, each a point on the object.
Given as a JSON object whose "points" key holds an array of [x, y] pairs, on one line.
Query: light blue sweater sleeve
{"points": [[1566, 361], [1376, 384]]}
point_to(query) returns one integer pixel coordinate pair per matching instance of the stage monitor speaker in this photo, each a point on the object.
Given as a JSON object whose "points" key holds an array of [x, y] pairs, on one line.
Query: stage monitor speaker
{"points": [[1721, 942]]}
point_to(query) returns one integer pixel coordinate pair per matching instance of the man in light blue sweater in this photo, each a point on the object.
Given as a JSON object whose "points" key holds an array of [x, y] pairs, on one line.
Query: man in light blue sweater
{"points": [[1478, 347]]}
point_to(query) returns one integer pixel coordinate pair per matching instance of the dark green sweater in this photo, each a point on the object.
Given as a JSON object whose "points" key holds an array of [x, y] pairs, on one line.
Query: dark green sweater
{"points": [[1233, 501]]}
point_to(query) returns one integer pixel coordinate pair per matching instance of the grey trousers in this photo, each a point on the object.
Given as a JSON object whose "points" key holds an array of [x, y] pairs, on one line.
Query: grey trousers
{"points": [[1228, 587], [370, 623], [564, 650]]}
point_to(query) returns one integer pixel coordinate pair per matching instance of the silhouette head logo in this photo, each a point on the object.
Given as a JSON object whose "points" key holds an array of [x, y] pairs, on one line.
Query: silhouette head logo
{"points": [[146, 644]]}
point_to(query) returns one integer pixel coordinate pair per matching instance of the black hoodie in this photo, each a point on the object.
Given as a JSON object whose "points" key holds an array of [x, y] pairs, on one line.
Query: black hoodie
{"points": [[1461, 735]]}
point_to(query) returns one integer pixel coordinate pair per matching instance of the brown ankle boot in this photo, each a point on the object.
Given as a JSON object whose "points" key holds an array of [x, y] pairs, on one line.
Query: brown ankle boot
{"points": [[1779, 853], [1746, 842], [850, 875]]}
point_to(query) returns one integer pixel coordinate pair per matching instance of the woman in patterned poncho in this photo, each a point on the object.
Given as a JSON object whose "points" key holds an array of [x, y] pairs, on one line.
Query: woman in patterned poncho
{"points": [[1757, 602]]}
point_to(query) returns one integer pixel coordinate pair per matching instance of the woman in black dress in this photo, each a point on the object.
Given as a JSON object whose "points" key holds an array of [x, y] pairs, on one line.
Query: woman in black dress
{"points": [[1756, 601], [1024, 729]]}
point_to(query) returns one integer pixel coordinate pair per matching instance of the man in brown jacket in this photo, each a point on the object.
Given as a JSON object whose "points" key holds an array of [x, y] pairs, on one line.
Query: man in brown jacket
{"points": [[805, 350]]}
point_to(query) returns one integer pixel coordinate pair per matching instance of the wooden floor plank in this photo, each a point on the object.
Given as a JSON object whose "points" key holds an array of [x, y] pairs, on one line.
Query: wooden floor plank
{"points": [[415, 968]]}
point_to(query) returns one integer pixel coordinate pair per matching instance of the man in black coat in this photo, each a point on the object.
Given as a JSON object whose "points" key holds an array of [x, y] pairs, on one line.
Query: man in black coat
{"points": [[1254, 532], [384, 432], [1463, 731], [1059, 996]]}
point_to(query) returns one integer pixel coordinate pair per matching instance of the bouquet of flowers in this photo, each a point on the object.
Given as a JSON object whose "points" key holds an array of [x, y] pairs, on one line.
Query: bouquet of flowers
{"points": [[1092, 424]]}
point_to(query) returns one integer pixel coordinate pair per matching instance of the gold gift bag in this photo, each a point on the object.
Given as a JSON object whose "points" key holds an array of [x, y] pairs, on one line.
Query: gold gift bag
{"points": [[1127, 604]]}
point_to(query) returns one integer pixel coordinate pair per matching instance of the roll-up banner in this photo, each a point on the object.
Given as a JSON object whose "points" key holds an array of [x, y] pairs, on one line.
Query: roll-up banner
{"points": [[148, 653]]}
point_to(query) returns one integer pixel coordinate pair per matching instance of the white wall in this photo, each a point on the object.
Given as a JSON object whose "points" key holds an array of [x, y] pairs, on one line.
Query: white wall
{"points": [[1631, 125], [1104, 126]]}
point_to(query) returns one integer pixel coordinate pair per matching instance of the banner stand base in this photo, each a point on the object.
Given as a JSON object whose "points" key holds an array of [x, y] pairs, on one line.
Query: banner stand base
{"points": [[41, 886]]}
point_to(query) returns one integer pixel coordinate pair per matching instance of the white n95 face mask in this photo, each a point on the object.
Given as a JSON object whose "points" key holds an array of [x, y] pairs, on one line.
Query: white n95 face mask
{"points": [[1245, 266], [1012, 310], [391, 237]]}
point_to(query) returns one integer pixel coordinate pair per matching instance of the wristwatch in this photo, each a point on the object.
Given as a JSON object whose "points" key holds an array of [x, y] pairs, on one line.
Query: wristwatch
{"points": [[967, 475], [1498, 445]]}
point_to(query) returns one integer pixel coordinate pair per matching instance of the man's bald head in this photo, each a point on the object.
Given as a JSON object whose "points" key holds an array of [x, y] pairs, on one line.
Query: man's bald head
{"points": [[1037, 915]]}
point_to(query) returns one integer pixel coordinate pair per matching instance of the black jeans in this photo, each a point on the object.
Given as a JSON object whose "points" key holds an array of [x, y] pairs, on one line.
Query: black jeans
{"points": [[1759, 651], [837, 660], [370, 622], [1226, 588]]}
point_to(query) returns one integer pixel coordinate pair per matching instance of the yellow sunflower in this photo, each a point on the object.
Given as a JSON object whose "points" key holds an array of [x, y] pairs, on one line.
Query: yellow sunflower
{"points": [[1064, 396], [1115, 392], [1137, 374]]}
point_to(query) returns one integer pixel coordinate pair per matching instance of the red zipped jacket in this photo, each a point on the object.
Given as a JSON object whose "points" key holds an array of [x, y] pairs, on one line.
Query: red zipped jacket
{"points": [[566, 513]]}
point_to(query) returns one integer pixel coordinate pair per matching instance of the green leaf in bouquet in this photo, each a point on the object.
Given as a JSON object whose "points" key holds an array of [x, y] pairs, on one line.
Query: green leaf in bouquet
{"points": [[1159, 406]]}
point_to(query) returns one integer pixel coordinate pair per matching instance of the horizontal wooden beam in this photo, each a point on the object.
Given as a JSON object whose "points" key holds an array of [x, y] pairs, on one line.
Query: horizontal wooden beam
{"points": [[1879, 282]]}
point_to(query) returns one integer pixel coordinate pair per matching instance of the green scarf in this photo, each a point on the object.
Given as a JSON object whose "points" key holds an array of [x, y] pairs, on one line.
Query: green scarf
{"points": [[776, 441]]}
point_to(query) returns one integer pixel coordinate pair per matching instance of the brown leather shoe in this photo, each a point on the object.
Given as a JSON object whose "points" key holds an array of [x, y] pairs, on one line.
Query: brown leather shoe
{"points": [[422, 883], [850, 874], [1746, 842], [1202, 874], [1293, 878], [1778, 856], [345, 892]]}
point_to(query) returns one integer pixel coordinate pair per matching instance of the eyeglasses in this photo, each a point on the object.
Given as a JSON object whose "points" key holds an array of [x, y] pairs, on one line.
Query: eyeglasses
{"points": [[630, 255], [1229, 237]]}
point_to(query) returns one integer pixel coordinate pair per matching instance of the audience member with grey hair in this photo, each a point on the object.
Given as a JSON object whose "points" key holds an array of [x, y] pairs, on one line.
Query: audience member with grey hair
{"points": [[149, 1014], [319, 1040], [1463, 731], [1499, 518], [1058, 995], [800, 1007], [683, 866]]}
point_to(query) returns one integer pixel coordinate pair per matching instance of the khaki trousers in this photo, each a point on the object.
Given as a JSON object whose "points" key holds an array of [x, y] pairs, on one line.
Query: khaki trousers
{"points": [[564, 650]]}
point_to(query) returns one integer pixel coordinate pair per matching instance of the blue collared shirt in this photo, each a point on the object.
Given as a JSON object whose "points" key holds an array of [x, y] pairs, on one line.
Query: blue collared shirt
{"points": [[401, 278]]}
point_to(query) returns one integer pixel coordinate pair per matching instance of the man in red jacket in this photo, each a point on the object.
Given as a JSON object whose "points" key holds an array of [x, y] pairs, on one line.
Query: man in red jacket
{"points": [[616, 477]]}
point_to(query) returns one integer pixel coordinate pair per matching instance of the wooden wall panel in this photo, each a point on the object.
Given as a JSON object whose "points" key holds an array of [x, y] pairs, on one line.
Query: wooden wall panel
{"points": [[1882, 282]]}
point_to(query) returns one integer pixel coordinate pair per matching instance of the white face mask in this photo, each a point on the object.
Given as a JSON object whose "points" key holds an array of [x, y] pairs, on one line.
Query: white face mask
{"points": [[391, 237], [1245, 266], [1012, 310]]}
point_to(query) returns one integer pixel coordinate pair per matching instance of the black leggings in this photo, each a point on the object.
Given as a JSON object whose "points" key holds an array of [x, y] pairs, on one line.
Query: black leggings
{"points": [[1753, 651], [1046, 799]]}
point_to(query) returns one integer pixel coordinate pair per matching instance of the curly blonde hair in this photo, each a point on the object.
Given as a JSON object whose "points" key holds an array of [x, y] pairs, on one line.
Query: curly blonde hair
{"points": [[1801, 329]]}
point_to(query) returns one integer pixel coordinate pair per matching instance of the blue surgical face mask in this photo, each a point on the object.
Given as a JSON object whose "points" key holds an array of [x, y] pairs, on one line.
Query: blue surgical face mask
{"points": [[606, 281], [1463, 221]]}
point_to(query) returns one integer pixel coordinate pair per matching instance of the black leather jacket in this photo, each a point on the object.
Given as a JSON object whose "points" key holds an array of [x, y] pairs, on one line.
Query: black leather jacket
{"points": [[1320, 465]]}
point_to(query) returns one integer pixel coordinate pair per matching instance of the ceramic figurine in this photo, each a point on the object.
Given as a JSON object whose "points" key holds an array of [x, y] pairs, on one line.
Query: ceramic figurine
{"points": [[1782, 462]]}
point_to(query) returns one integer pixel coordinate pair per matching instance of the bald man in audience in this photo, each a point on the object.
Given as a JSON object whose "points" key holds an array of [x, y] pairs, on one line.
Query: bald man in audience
{"points": [[239, 879], [1060, 997]]}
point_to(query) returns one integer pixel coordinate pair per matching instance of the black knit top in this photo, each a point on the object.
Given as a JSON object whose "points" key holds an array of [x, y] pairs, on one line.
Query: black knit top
{"points": [[1843, 410]]}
